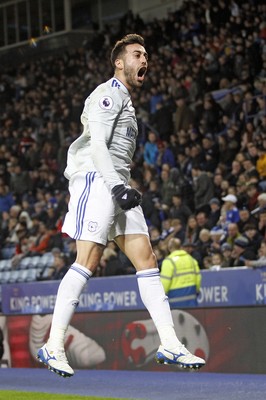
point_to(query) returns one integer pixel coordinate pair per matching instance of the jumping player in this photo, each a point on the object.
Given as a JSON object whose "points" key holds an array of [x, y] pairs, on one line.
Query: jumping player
{"points": [[104, 207]]}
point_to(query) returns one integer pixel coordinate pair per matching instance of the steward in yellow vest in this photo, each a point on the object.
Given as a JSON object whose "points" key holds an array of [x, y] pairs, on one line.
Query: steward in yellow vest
{"points": [[180, 276]]}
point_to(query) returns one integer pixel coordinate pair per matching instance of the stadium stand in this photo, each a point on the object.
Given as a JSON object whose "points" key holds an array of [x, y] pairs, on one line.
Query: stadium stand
{"points": [[206, 84]]}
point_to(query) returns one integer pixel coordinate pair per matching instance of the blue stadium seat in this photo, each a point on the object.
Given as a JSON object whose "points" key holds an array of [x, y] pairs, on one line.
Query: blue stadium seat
{"points": [[36, 261], [47, 259], [5, 276], [25, 263], [5, 265], [22, 275], [31, 275], [14, 275], [46, 272], [2, 265]]}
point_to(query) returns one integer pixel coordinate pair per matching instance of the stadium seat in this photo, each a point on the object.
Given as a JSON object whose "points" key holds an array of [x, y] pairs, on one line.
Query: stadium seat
{"points": [[47, 259], [22, 275], [5, 265], [2, 265], [36, 261], [31, 275], [5, 276], [14, 275], [25, 263], [46, 272]]}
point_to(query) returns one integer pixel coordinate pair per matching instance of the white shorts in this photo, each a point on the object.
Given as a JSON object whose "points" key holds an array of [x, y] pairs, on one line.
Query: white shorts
{"points": [[93, 214]]}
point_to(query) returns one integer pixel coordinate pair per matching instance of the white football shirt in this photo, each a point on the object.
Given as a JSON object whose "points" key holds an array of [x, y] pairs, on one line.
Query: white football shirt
{"points": [[108, 140]]}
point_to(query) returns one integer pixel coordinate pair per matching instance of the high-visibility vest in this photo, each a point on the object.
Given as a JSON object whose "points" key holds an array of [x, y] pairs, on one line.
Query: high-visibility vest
{"points": [[181, 279]]}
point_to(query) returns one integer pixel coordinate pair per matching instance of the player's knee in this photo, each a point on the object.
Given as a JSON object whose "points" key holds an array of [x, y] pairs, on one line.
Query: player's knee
{"points": [[150, 261]]}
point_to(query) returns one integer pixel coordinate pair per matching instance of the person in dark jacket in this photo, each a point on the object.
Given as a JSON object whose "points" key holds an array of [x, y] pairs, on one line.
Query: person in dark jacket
{"points": [[203, 186]]}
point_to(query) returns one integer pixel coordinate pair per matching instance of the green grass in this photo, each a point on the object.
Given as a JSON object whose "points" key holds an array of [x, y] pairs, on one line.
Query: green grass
{"points": [[14, 395]]}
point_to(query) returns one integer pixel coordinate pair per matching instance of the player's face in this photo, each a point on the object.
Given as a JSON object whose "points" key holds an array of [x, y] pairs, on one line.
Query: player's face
{"points": [[135, 63]]}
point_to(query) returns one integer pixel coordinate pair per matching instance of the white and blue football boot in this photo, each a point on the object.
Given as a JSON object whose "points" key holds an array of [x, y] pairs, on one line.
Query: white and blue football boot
{"points": [[56, 361], [181, 358]]}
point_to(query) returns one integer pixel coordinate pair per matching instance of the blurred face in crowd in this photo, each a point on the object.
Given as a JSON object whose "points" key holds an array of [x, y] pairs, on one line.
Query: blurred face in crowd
{"points": [[244, 214], [216, 259], [192, 222], [201, 218], [232, 230], [262, 250], [251, 232]]}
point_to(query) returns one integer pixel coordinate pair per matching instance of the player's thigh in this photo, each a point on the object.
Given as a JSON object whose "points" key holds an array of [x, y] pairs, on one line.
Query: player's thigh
{"points": [[138, 249]]}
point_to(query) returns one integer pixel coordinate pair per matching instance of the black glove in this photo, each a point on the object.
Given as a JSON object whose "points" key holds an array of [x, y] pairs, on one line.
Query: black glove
{"points": [[125, 197]]}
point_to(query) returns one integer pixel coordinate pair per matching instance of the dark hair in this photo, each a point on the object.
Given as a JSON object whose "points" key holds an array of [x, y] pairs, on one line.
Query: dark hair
{"points": [[120, 45]]}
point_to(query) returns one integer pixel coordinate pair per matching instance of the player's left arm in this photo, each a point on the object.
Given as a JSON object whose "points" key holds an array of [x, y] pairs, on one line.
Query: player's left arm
{"points": [[101, 113]]}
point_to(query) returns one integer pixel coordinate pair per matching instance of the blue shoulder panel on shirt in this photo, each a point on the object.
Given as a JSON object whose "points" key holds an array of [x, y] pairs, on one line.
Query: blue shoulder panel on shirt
{"points": [[115, 83]]}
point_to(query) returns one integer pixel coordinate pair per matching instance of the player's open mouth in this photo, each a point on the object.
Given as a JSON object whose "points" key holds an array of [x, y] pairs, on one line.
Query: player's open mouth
{"points": [[142, 72]]}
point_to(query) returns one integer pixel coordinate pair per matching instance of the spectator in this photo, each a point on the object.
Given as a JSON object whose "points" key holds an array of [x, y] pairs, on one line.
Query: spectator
{"points": [[211, 153], [191, 234], [211, 116], [253, 236], [183, 116], [230, 209], [111, 264], [262, 222], [179, 209], [216, 261], [162, 120], [70, 250], [151, 150], [204, 244], [180, 275], [202, 220], [232, 233], [245, 218], [42, 240], [165, 155], [22, 242], [217, 183], [217, 235], [241, 251], [151, 204], [261, 164], [250, 168], [20, 182], [203, 186], [6, 198], [226, 250], [170, 187], [252, 196], [57, 270], [236, 169], [261, 260], [261, 199], [214, 214]]}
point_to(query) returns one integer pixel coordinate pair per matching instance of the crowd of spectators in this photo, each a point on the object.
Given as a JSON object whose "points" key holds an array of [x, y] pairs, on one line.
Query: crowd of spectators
{"points": [[200, 161]]}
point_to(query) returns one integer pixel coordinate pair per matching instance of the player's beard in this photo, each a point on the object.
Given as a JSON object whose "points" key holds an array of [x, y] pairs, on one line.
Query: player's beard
{"points": [[131, 78]]}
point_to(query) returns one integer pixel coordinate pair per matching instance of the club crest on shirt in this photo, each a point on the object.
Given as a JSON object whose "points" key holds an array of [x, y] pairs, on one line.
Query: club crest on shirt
{"points": [[106, 103]]}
